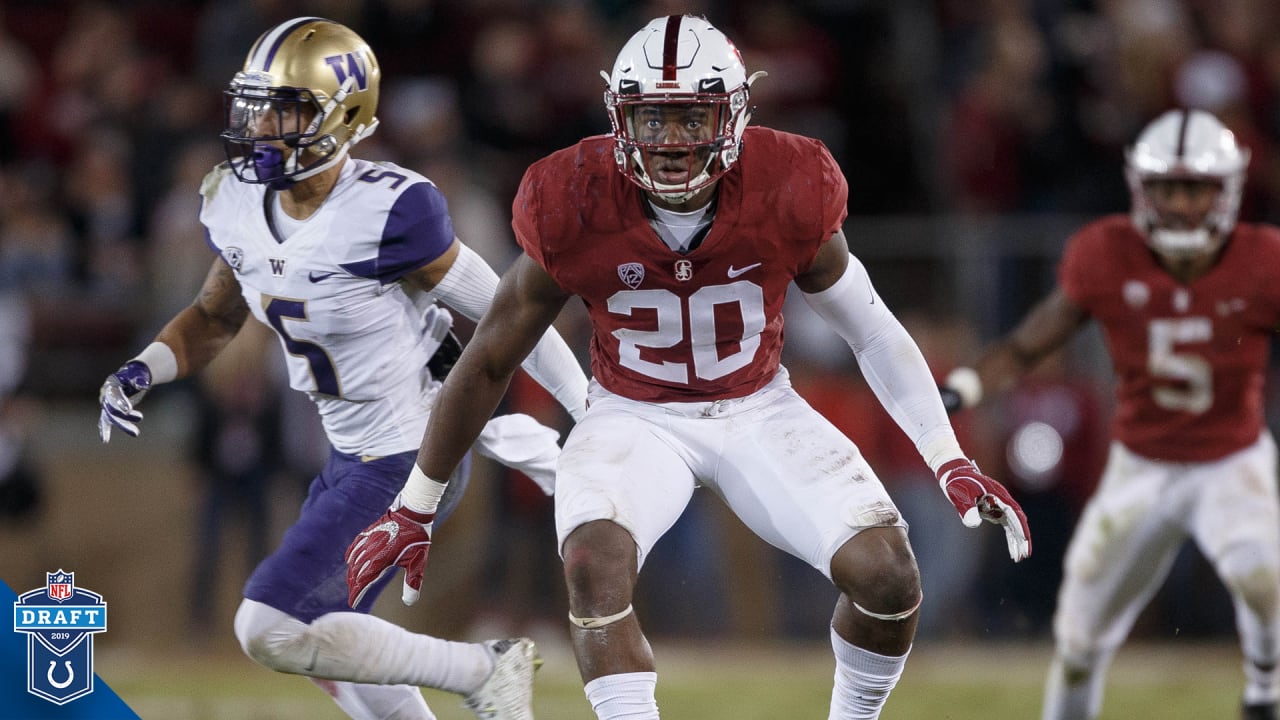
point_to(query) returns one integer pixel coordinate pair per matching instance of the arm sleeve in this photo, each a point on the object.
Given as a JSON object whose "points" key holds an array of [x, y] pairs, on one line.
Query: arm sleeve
{"points": [[891, 362], [469, 287]]}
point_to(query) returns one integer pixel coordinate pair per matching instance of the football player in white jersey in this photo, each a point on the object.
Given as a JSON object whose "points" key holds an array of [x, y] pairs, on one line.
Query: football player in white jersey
{"points": [[344, 259]]}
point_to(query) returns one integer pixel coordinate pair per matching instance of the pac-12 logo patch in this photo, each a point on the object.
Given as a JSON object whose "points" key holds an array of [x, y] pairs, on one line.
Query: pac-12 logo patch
{"points": [[632, 274], [60, 620]]}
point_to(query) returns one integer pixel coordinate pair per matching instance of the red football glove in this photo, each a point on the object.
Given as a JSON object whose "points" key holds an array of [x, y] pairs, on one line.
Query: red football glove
{"points": [[400, 538], [978, 497]]}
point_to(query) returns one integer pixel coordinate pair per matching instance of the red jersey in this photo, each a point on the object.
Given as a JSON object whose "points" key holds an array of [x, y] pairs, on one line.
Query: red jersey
{"points": [[672, 327], [1190, 359]]}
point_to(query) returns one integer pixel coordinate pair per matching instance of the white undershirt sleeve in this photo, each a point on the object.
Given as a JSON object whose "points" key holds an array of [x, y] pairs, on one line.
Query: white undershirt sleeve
{"points": [[469, 287], [890, 360]]}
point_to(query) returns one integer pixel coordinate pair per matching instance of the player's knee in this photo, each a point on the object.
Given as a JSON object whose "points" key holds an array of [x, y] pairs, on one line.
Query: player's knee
{"points": [[598, 552], [600, 567], [878, 574], [269, 637], [1250, 573], [891, 596]]}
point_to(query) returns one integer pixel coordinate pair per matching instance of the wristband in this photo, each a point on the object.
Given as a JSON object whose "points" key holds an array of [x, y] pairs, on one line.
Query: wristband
{"points": [[421, 493], [967, 384], [939, 448], [160, 360]]}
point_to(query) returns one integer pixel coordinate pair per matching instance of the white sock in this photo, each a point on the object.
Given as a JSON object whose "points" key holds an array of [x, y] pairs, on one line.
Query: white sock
{"points": [[863, 680], [377, 702], [364, 648], [359, 648], [625, 696], [1076, 700], [1259, 644], [1260, 686]]}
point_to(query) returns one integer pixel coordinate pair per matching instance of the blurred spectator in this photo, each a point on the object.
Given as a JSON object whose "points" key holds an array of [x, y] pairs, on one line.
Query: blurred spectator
{"points": [[21, 485], [223, 29], [237, 449], [17, 80], [36, 240], [176, 254], [803, 62], [98, 193], [996, 117]]}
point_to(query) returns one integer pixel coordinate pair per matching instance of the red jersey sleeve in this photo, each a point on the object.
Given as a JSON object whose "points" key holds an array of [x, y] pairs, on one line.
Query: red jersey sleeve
{"points": [[1083, 273], [524, 214], [835, 191]]}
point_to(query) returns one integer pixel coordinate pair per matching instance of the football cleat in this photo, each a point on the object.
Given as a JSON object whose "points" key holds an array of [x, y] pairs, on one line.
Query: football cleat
{"points": [[507, 694]]}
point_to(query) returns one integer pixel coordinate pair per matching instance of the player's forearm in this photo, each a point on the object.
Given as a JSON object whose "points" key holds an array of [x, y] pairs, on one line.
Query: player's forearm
{"points": [[1003, 366], [195, 338], [999, 368], [1044, 331], [900, 377]]}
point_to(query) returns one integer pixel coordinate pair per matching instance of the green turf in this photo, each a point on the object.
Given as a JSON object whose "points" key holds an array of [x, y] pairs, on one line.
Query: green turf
{"points": [[723, 682]]}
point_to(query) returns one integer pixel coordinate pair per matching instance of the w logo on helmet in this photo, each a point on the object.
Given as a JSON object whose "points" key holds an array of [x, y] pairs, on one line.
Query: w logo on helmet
{"points": [[350, 65]]}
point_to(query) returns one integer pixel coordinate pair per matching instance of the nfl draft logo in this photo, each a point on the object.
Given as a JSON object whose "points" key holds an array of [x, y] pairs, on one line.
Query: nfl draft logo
{"points": [[60, 620]]}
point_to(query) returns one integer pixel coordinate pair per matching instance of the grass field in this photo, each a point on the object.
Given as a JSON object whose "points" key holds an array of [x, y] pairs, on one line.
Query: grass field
{"points": [[1183, 681]]}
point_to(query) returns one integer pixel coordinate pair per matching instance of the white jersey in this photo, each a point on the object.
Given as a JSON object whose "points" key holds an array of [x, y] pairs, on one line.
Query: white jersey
{"points": [[350, 334]]}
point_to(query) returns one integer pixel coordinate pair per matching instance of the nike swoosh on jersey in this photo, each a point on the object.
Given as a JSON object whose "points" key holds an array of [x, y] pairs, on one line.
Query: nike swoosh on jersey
{"points": [[316, 277], [735, 272]]}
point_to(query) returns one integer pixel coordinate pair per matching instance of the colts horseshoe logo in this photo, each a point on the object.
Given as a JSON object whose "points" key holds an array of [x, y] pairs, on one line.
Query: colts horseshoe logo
{"points": [[71, 674]]}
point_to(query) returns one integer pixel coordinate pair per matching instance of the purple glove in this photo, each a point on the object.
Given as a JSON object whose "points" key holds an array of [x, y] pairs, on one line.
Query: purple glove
{"points": [[117, 397]]}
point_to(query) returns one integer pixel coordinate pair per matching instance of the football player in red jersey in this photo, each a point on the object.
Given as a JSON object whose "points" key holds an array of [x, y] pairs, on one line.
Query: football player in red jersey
{"points": [[681, 233], [1188, 303]]}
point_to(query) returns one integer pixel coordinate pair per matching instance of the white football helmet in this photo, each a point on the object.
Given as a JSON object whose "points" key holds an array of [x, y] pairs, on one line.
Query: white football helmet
{"points": [[1186, 145], [678, 60], [309, 84]]}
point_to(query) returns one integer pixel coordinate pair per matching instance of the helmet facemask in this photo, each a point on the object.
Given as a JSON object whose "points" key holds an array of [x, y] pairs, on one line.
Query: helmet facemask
{"points": [[695, 136], [1190, 146], [260, 120]]}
